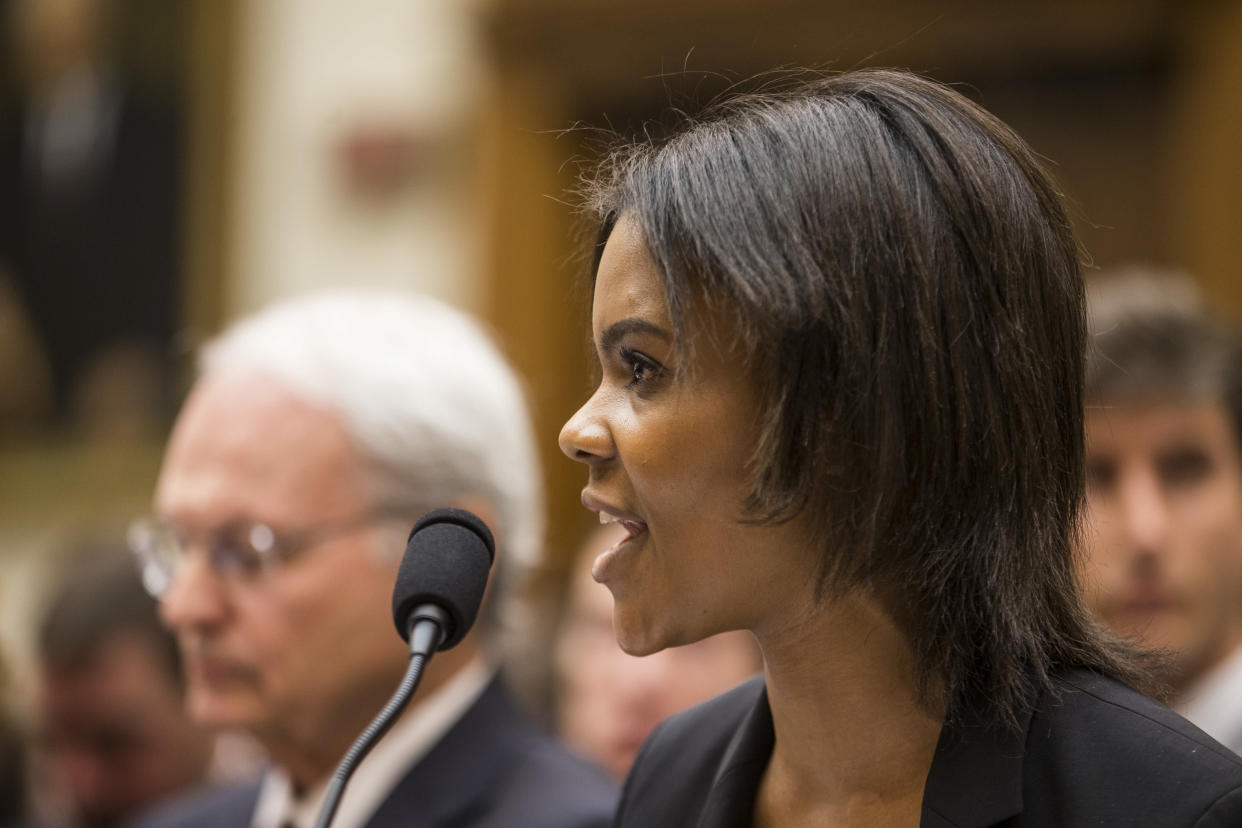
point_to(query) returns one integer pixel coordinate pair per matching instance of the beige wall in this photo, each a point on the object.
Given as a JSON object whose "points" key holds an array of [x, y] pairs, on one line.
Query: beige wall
{"points": [[310, 72], [274, 87]]}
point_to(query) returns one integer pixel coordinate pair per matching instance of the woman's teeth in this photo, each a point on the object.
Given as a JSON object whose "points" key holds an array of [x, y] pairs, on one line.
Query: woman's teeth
{"points": [[633, 527]]}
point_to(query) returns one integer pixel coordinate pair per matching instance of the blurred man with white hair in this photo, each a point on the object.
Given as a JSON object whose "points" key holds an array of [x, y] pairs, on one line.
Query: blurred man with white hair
{"points": [[315, 435]]}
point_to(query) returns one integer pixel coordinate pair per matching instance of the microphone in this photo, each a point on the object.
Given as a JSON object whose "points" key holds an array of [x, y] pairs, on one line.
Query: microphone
{"points": [[439, 587], [445, 566]]}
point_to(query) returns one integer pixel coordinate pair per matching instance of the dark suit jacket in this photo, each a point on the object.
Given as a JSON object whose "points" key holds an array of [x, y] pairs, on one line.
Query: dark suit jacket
{"points": [[1098, 753], [493, 768]]}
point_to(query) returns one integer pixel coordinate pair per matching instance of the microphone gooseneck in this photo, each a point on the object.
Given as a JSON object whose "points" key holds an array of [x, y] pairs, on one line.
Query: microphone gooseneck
{"points": [[439, 588]]}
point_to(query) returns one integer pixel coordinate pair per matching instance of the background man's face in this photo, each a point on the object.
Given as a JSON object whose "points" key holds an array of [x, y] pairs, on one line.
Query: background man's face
{"points": [[116, 736], [284, 653], [1164, 494]]}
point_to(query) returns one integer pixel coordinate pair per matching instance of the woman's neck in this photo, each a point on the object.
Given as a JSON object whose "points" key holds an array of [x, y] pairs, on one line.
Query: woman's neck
{"points": [[853, 743]]}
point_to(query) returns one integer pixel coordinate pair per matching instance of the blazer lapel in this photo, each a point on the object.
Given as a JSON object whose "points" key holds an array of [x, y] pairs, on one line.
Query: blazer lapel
{"points": [[731, 801], [456, 776], [976, 776]]}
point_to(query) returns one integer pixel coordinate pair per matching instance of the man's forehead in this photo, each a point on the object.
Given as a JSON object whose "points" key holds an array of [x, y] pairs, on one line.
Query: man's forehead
{"points": [[246, 440], [1146, 422]]}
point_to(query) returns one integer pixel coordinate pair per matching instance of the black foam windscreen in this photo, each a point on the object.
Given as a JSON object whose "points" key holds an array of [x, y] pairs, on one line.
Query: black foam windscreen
{"points": [[446, 562]]}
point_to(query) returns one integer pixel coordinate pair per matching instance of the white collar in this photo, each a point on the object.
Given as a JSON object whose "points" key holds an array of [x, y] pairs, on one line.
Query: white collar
{"points": [[1214, 702], [412, 737]]}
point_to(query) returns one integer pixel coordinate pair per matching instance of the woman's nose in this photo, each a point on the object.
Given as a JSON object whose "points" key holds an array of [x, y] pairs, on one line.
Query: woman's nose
{"points": [[586, 436]]}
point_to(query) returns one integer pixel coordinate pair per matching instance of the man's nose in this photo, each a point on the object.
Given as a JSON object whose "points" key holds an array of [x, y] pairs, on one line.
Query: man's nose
{"points": [[196, 597], [1144, 513]]}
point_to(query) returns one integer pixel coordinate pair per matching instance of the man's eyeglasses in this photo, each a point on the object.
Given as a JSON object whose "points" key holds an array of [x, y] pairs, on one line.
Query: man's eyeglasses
{"points": [[241, 551]]}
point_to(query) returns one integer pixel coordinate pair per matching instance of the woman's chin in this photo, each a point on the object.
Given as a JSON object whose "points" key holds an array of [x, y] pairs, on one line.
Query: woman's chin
{"points": [[636, 638], [643, 633]]}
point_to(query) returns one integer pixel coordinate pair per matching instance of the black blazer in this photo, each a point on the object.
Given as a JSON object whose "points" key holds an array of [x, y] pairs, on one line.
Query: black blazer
{"points": [[1098, 754], [493, 768]]}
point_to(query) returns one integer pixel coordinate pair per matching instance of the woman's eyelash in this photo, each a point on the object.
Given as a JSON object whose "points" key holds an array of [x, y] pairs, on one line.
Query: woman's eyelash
{"points": [[642, 367]]}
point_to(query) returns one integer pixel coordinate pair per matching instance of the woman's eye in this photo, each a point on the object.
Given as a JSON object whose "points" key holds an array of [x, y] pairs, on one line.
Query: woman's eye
{"points": [[642, 368]]}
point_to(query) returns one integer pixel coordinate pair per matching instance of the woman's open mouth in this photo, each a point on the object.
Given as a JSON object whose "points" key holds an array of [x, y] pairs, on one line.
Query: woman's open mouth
{"points": [[608, 559]]}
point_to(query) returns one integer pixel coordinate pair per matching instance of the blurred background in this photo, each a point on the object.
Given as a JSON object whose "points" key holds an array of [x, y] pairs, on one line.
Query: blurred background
{"points": [[169, 166]]}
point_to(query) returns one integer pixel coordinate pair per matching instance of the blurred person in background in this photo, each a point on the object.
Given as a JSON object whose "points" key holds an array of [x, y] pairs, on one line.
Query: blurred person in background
{"points": [[24, 389], [12, 759], [90, 169], [317, 433], [1164, 487], [115, 735], [608, 702]]}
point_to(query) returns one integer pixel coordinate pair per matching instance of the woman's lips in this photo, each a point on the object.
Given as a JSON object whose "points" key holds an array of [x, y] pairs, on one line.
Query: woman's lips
{"points": [[607, 560]]}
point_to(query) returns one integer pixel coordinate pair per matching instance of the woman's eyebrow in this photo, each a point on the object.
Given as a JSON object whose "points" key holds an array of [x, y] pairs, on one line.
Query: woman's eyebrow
{"points": [[630, 325]]}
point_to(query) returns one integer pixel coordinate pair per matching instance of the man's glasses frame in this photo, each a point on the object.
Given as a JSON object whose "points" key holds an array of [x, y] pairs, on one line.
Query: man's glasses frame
{"points": [[240, 551]]}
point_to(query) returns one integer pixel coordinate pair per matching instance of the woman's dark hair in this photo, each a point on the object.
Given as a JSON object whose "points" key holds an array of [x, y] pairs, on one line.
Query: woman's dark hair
{"points": [[904, 279]]}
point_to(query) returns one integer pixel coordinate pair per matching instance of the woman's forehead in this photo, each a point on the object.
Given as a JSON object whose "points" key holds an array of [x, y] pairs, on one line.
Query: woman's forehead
{"points": [[628, 283], [630, 286]]}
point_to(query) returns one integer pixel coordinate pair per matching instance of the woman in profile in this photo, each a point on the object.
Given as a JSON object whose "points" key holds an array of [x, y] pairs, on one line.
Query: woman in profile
{"points": [[841, 338]]}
